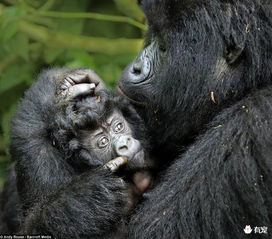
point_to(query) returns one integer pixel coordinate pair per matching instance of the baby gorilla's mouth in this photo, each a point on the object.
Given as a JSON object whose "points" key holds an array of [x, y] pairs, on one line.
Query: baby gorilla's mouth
{"points": [[137, 161]]}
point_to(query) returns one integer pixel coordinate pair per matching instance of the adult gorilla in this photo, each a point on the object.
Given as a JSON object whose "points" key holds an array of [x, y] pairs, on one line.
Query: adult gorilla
{"points": [[203, 84]]}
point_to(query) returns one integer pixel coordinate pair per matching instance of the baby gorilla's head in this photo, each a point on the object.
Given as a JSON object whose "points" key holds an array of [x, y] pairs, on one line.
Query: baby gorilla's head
{"points": [[97, 129], [111, 138]]}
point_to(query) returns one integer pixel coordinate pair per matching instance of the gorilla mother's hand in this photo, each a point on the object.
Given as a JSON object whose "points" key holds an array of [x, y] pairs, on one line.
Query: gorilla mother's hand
{"points": [[140, 181], [79, 82]]}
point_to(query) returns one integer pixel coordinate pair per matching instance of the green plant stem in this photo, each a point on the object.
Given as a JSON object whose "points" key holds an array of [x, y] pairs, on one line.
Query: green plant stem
{"points": [[47, 5], [96, 16], [91, 44]]}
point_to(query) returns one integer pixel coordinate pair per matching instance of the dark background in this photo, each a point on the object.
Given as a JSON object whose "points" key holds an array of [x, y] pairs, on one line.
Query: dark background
{"points": [[104, 35]]}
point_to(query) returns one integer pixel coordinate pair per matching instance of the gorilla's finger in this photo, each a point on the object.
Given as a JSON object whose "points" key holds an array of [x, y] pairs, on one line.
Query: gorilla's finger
{"points": [[79, 90], [86, 76], [68, 82], [115, 164], [83, 76], [92, 77]]}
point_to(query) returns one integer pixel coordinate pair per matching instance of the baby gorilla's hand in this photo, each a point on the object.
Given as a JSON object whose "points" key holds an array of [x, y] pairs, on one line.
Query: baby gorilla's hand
{"points": [[115, 164], [80, 82]]}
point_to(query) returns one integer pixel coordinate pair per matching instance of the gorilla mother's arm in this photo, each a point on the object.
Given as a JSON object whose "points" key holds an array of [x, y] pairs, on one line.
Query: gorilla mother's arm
{"points": [[54, 198], [220, 184]]}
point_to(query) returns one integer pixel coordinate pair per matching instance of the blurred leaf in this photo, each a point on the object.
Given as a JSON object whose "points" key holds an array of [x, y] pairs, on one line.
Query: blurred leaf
{"points": [[110, 73], [18, 45], [70, 25], [130, 8], [9, 30], [51, 54], [81, 59], [8, 59], [9, 23], [13, 76], [11, 13], [36, 3], [1, 10], [47, 5], [11, 96], [2, 143]]}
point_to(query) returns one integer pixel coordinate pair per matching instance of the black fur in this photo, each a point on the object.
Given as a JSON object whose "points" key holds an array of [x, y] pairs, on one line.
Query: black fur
{"points": [[210, 118]]}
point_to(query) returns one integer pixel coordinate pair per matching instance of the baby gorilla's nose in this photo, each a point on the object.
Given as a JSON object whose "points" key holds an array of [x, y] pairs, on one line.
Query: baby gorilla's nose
{"points": [[125, 145], [122, 145]]}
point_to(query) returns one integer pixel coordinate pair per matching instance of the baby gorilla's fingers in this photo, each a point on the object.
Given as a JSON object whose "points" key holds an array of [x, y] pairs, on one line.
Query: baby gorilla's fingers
{"points": [[116, 163], [79, 90]]}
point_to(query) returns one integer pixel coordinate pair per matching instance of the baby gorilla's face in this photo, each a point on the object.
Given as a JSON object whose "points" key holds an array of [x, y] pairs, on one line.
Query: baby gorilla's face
{"points": [[112, 139]]}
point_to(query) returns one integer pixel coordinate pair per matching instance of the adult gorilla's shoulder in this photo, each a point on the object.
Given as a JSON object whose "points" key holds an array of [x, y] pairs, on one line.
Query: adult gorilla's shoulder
{"points": [[204, 81]]}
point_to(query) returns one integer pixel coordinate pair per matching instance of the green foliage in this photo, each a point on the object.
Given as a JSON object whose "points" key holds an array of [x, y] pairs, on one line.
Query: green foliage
{"points": [[129, 8], [38, 34]]}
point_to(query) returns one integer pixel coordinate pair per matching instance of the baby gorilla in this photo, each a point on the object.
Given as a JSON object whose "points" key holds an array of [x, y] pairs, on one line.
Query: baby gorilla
{"points": [[81, 159], [95, 127]]}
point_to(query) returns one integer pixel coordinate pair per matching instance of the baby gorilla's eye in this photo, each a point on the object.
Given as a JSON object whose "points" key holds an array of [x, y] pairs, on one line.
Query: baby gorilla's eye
{"points": [[103, 142], [118, 127]]}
